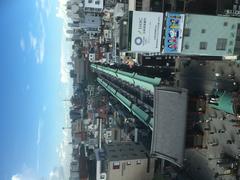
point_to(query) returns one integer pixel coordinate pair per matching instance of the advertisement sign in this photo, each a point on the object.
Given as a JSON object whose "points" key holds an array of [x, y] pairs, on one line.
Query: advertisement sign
{"points": [[173, 33], [145, 31], [232, 12]]}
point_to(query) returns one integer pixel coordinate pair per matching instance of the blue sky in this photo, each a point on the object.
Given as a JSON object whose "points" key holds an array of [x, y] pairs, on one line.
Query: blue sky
{"points": [[33, 86]]}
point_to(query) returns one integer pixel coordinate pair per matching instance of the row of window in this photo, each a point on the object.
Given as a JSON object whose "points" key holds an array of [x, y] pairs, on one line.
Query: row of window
{"points": [[221, 45], [116, 165], [187, 31], [96, 2]]}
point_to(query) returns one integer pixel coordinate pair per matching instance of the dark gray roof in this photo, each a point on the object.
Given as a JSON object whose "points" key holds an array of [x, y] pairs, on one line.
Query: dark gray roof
{"points": [[119, 151], [168, 136]]}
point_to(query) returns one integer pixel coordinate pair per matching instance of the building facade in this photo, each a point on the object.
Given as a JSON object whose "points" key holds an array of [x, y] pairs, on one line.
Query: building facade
{"points": [[211, 35], [128, 160], [93, 6]]}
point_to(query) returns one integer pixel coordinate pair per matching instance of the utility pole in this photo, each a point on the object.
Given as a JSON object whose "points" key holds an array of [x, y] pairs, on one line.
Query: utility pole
{"points": [[100, 133]]}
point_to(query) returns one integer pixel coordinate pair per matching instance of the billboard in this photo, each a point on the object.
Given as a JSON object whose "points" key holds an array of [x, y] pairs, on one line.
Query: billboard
{"points": [[173, 33], [145, 31]]}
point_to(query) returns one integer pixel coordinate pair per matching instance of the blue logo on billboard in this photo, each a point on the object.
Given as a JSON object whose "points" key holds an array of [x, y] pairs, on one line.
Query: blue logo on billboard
{"points": [[138, 41], [173, 37]]}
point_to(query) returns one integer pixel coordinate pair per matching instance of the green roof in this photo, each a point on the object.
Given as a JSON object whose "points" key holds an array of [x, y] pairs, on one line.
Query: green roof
{"points": [[225, 102], [133, 108], [143, 116], [135, 79]]}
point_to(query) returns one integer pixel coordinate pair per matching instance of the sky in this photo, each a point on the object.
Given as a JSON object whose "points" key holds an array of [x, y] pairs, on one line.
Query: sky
{"points": [[34, 87]]}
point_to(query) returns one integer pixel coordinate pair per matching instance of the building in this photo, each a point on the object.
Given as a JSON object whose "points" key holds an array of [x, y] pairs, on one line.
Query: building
{"points": [[211, 36], [174, 23], [128, 160], [118, 10], [93, 6], [139, 5], [141, 32], [168, 137], [88, 21]]}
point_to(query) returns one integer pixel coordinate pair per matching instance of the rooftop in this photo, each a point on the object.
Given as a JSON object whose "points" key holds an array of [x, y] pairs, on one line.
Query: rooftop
{"points": [[125, 151], [168, 137]]}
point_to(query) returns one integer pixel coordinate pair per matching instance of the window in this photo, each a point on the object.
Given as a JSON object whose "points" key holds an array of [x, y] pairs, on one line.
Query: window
{"points": [[89, 1], [116, 165], [221, 44], [203, 45], [186, 46], [187, 32], [203, 31], [138, 162], [225, 23], [97, 2]]}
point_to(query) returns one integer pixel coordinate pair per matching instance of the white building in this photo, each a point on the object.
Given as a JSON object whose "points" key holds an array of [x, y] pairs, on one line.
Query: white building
{"points": [[94, 6], [211, 35], [91, 57], [128, 160]]}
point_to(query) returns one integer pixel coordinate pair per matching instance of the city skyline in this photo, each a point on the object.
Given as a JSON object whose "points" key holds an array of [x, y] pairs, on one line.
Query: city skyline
{"points": [[34, 85], [112, 90]]}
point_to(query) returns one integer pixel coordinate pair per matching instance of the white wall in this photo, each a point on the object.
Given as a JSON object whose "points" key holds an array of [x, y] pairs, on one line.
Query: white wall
{"points": [[93, 4], [134, 171]]}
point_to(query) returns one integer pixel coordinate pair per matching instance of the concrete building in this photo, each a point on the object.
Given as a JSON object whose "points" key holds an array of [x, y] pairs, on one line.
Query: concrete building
{"points": [[128, 160], [93, 6], [88, 21], [211, 36], [118, 10]]}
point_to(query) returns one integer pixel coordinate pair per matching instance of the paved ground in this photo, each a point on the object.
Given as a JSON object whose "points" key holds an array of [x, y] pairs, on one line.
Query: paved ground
{"points": [[200, 78]]}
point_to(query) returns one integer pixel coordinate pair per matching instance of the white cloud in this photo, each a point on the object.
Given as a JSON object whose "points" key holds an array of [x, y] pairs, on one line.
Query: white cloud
{"points": [[61, 11], [64, 150], [38, 141], [57, 174], [37, 4], [45, 6], [48, 7], [40, 125], [65, 54], [66, 51], [33, 40], [16, 177], [64, 70], [22, 44], [44, 108], [40, 50], [26, 174], [28, 87]]}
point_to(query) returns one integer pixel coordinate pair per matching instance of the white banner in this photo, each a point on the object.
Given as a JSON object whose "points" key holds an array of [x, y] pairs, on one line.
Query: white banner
{"points": [[146, 31]]}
